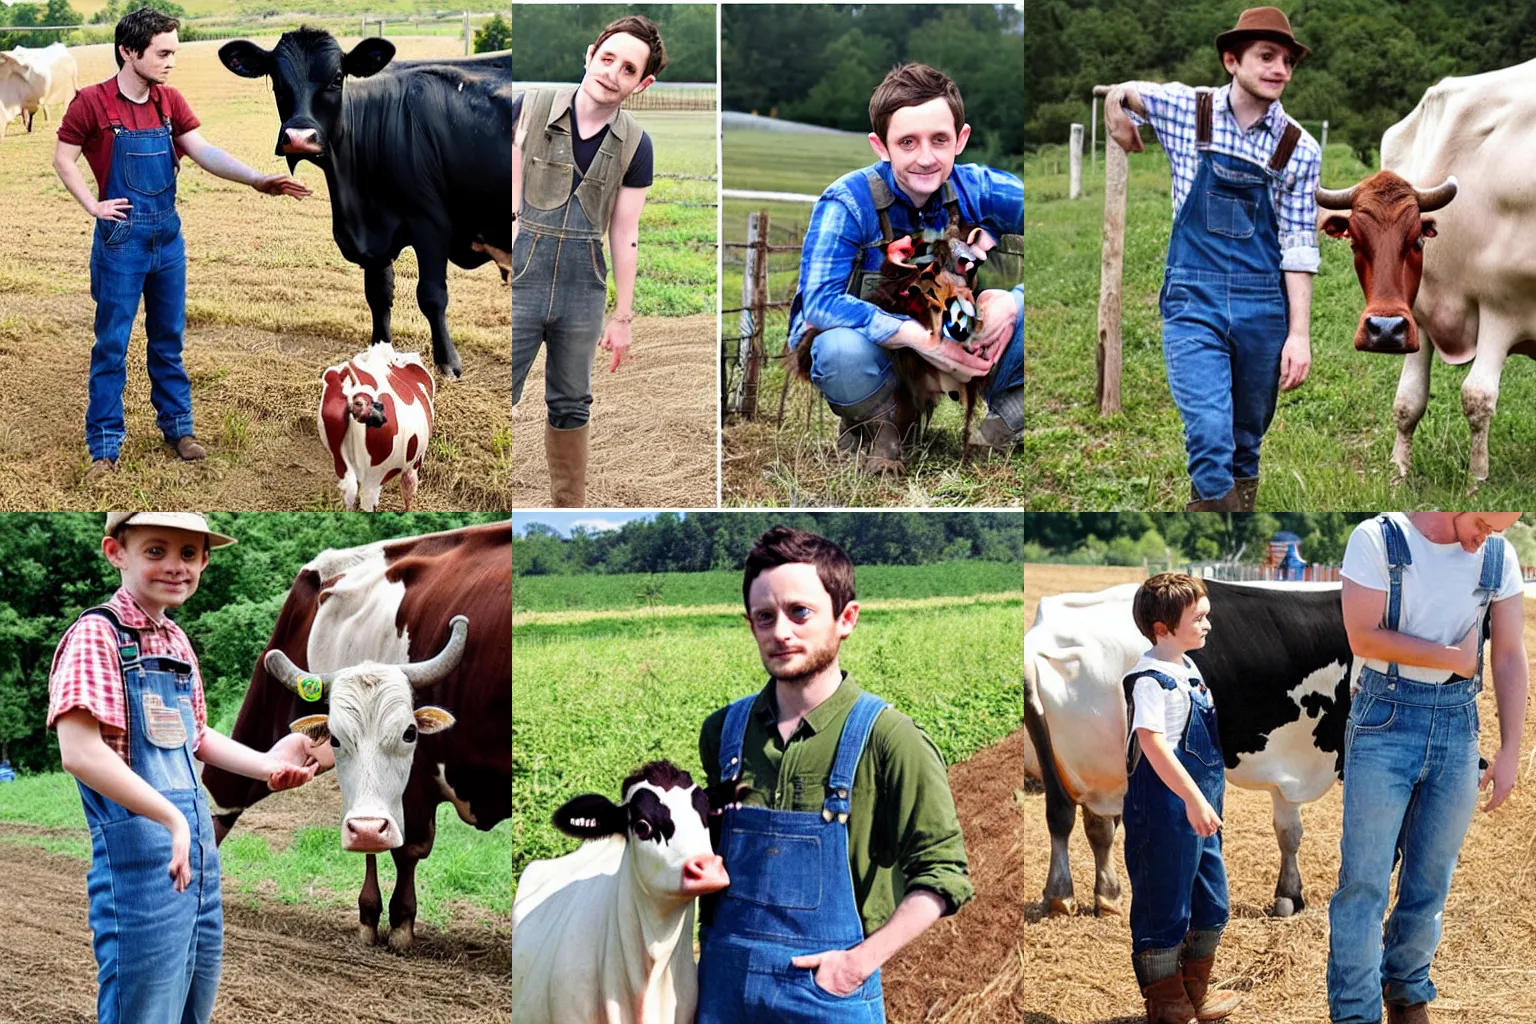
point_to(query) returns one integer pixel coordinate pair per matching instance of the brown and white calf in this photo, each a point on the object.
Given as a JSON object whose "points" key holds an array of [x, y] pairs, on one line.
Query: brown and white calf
{"points": [[376, 418]]}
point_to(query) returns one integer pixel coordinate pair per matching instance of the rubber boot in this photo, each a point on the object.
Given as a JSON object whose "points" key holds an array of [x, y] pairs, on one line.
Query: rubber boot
{"points": [[566, 452], [869, 429], [1167, 1002], [1208, 1005], [1247, 489]]}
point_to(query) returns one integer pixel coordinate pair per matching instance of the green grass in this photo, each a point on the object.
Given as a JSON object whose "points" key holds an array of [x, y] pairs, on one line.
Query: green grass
{"points": [[676, 276], [680, 589], [1331, 439], [589, 709]]}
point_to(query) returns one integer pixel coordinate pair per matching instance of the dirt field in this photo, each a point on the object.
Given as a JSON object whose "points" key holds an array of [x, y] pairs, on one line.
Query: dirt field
{"points": [[1079, 968], [280, 962], [652, 436], [270, 304]]}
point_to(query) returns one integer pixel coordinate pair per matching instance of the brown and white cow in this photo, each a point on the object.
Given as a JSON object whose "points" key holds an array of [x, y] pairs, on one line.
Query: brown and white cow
{"points": [[393, 603], [1471, 139], [376, 418]]}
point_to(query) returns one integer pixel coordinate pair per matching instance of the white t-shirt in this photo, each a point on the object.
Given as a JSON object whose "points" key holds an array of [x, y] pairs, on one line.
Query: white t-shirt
{"points": [[1157, 709], [1440, 600]]}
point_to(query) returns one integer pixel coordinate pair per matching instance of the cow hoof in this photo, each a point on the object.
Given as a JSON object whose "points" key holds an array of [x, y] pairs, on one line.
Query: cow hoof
{"points": [[1103, 906], [1060, 907], [1284, 906], [402, 937], [366, 935], [450, 371]]}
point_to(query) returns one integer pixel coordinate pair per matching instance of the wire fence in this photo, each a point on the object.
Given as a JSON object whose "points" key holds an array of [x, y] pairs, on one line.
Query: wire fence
{"points": [[1231, 572]]}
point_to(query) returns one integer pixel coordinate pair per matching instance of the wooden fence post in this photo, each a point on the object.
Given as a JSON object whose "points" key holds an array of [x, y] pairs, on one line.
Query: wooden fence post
{"points": [[1093, 139], [1075, 163], [750, 350], [1111, 274], [466, 33]]}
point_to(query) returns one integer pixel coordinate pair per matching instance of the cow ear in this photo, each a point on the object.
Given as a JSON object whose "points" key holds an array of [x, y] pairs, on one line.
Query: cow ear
{"points": [[316, 727], [368, 57], [1337, 226], [431, 719], [591, 816], [1427, 227], [246, 59]]}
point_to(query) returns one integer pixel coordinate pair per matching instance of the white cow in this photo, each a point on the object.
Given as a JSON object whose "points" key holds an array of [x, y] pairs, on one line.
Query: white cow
{"points": [[604, 935], [52, 77], [376, 418]]}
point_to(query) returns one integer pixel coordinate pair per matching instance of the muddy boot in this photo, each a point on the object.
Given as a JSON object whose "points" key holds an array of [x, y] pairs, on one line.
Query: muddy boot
{"points": [[1247, 489], [100, 470], [1418, 1013], [1228, 502], [187, 448], [1208, 1005], [1003, 425], [566, 452], [869, 429], [1167, 1002]]}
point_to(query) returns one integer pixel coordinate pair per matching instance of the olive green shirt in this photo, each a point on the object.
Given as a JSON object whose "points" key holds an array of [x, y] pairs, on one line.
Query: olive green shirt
{"points": [[903, 833]]}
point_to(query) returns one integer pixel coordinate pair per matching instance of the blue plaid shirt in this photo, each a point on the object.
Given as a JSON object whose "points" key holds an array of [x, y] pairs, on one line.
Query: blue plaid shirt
{"points": [[1171, 112], [844, 218]]}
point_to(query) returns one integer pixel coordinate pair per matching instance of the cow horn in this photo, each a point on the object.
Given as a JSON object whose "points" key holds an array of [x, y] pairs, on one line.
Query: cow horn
{"points": [[287, 673], [425, 673], [1336, 198], [1432, 199]]}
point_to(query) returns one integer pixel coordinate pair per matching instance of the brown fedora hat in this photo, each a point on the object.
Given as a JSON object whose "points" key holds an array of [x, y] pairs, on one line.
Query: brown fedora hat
{"points": [[1262, 23]]}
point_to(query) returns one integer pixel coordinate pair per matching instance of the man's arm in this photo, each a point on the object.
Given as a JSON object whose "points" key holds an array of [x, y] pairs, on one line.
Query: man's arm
{"points": [[1364, 610], [220, 164], [1122, 98], [519, 134], [1300, 259], [842, 971], [1511, 669], [66, 166], [289, 763], [624, 241], [1296, 355]]}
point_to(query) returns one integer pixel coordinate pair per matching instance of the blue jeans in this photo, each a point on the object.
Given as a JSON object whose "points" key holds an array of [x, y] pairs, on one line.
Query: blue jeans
{"points": [[1410, 784], [144, 255], [1222, 336]]}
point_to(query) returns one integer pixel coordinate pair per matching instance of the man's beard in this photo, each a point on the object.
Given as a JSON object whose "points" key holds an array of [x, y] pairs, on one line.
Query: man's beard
{"points": [[819, 659]]}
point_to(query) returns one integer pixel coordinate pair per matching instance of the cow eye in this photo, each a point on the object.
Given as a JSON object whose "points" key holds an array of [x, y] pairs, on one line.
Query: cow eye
{"points": [[642, 829], [335, 742], [410, 734], [336, 82]]}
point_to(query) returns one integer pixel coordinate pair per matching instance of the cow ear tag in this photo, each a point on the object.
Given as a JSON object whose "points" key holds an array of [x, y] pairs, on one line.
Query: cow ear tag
{"points": [[311, 688]]}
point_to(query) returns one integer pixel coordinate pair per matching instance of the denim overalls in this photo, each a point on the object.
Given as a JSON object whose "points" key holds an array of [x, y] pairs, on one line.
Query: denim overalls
{"points": [[1410, 785], [142, 255], [1225, 315], [791, 894], [1178, 878], [158, 951]]}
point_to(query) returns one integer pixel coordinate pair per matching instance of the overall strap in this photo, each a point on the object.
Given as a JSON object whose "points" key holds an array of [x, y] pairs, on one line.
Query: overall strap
{"points": [[1286, 147], [1398, 556], [881, 193], [127, 638], [1487, 587], [536, 116], [733, 735], [850, 746], [1205, 106], [951, 201], [1128, 684], [632, 134]]}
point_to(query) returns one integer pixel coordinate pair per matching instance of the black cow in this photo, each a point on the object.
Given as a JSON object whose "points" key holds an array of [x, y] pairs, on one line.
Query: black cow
{"points": [[415, 153]]}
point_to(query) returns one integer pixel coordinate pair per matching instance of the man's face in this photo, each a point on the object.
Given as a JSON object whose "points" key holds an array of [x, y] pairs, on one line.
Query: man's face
{"points": [[160, 566], [790, 613], [616, 69], [1472, 528], [1264, 69], [155, 63], [921, 144]]}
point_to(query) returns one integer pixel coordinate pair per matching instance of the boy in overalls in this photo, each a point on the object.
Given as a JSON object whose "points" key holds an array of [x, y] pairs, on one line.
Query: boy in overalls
{"points": [[1419, 589], [127, 699], [1173, 806], [133, 130], [843, 844], [580, 169], [918, 121], [1245, 217]]}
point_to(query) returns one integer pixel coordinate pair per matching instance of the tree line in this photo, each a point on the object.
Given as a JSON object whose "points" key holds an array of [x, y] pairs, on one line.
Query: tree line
{"points": [[1371, 60], [549, 41]]}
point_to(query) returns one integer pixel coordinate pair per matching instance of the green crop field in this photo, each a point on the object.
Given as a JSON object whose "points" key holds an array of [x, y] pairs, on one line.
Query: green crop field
{"points": [[597, 698], [1331, 439], [676, 275]]}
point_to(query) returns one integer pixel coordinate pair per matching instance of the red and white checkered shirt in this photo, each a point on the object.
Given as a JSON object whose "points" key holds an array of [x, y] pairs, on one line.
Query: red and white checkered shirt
{"points": [[87, 673]]}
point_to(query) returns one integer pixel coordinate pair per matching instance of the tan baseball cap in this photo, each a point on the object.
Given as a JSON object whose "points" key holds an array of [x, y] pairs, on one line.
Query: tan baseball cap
{"points": [[192, 522]]}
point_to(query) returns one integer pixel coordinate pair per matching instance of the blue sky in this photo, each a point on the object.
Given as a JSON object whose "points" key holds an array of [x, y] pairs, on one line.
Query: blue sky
{"points": [[598, 519]]}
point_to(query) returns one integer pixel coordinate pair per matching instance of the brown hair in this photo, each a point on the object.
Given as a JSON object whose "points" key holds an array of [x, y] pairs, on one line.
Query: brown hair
{"points": [[643, 29], [1240, 47], [909, 85], [136, 28], [783, 545], [1163, 598]]}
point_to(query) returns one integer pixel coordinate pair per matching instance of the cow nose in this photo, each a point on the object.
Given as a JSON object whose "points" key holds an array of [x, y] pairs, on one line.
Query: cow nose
{"points": [[704, 873], [301, 140], [1387, 333], [367, 835]]}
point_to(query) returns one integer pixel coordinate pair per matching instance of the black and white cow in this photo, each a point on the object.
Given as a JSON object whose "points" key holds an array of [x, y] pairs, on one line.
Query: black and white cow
{"points": [[415, 153], [1279, 667]]}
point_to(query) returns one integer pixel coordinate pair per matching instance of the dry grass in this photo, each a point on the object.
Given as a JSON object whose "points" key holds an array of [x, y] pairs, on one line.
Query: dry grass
{"points": [[1079, 967], [270, 304]]}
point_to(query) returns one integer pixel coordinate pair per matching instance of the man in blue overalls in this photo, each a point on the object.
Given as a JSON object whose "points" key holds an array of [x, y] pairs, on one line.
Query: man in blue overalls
{"points": [[133, 129], [1245, 217], [843, 844]]}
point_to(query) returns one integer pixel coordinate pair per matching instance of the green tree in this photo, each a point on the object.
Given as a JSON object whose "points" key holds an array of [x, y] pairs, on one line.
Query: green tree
{"points": [[495, 34]]}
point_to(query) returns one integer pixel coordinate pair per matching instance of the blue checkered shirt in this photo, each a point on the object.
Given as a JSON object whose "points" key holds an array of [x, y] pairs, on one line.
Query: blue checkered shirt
{"points": [[1171, 112], [843, 220]]}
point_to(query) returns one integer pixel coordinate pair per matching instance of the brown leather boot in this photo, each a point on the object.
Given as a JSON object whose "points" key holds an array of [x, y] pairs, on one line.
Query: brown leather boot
{"points": [[1208, 1005], [1226, 503], [188, 448], [1417, 1013], [870, 430], [1247, 489], [1167, 1002], [566, 452]]}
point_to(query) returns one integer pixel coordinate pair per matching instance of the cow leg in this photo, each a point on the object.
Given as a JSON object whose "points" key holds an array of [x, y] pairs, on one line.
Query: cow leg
{"points": [[369, 905], [1287, 815], [1106, 881], [1480, 391], [1060, 810], [379, 289], [402, 903], [1408, 408], [432, 297], [408, 481], [348, 487], [370, 495]]}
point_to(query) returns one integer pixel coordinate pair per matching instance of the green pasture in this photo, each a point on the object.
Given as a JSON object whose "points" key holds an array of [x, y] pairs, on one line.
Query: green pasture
{"points": [[596, 700], [467, 878], [1331, 440], [676, 275]]}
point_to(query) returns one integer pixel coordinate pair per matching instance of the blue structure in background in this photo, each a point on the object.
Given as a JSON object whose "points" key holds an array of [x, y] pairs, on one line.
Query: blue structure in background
{"points": [[7, 773]]}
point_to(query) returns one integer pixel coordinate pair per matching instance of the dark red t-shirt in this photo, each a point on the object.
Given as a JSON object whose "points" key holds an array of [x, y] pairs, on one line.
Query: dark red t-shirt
{"points": [[88, 125]]}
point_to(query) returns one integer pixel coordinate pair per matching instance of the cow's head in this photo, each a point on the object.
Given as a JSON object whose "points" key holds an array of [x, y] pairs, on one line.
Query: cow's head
{"points": [[664, 820], [309, 72], [1387, 228], [373, 727], [933, 280]]}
